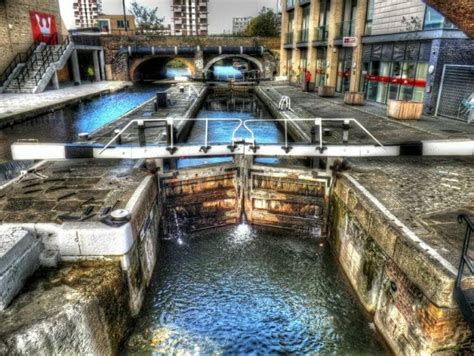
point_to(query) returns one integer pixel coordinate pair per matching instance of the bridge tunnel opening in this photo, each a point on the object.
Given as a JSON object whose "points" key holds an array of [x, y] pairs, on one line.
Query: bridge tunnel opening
{"points": [[160, 68], [234, 68]]}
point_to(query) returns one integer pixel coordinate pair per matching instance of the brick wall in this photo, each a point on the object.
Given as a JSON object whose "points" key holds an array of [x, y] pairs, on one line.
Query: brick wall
{"points": [[15, 27], [116, 42], [388, 15]]}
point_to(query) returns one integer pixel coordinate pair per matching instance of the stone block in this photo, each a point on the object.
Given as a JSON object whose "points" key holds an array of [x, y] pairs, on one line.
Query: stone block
{"points": [[19, 258]]}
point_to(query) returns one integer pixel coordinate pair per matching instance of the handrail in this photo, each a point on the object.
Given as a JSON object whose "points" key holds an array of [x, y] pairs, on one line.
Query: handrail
{"points": [[47, 56], [245, 123], [465, 260], [170, 122], [19, 58]]}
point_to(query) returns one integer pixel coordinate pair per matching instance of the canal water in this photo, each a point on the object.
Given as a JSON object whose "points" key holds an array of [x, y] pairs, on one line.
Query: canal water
{"points": [[249, 290], [228, 107], [64, 125]]}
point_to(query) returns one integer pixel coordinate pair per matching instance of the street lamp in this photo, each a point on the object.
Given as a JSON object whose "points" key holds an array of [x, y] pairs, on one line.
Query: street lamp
{"points": [[124, 16]]}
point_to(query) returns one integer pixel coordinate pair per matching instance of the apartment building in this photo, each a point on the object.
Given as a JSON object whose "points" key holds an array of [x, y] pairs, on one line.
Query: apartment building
{"points": [[239, 24], [397, 49], [190, 17], [86, 12]]}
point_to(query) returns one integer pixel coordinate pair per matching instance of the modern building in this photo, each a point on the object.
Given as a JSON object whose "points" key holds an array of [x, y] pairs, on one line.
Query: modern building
{"points": [[239, 24], [115, 24], [398, 49], [190, 17], [86, 12]]}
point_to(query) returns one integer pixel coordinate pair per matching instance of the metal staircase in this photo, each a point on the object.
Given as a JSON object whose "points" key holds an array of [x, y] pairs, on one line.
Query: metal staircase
{"points": [[465, 296], [34, 75]]}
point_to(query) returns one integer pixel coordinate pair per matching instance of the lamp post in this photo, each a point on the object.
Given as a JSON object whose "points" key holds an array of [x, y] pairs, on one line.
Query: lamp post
{"points": [[125, 16]]}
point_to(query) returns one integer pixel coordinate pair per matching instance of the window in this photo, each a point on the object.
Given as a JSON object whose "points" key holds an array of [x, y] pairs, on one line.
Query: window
{"points": [[120, 24], [369, 17], [434, 20]]}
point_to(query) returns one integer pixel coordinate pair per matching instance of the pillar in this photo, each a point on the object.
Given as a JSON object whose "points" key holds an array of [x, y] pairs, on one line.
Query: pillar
{"points": [[313, 23], [357, 52], [55, 80], [335, 16], [283, 51], [75, 68], [199, 62], [102, 65], [296, 51], [95, 59]]}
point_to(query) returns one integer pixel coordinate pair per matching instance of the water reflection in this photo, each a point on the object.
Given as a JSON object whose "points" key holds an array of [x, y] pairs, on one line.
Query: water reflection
{"points": [[64, 125], [241, 290]]}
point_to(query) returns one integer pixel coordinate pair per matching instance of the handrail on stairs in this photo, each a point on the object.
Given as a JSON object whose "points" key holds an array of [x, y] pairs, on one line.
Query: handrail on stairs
{"points": [[465, 297]]}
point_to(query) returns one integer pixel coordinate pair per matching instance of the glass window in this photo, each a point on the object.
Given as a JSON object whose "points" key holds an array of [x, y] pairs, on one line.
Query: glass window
{"points": [[412, 50], [369, 17], [399, 51], [376, 52], [433, 19], [387, 52]]}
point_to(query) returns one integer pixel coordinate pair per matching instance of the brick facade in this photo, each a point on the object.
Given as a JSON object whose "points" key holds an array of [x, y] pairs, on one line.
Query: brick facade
{"points": [[15, 26]]}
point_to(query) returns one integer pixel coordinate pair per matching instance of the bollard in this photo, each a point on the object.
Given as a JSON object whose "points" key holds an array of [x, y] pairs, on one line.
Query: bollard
{"points": [[119, 138], [161, 99], [141, 133], [345, 132]]}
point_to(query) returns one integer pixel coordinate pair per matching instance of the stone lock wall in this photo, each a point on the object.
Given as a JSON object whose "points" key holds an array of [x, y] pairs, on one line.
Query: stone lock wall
{"points": [[409, 293]]}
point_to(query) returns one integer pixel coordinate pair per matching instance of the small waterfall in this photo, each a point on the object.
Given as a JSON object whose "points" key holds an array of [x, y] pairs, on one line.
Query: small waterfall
{"points": [[177, 231], [12, 169]]}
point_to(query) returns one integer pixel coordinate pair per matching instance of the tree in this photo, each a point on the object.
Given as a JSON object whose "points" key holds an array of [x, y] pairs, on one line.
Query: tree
{"points": [[147, 19], [266, 24]]}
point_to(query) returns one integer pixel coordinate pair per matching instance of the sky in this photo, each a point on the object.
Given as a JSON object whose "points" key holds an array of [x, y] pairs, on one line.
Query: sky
{"points": [[221, 12]]}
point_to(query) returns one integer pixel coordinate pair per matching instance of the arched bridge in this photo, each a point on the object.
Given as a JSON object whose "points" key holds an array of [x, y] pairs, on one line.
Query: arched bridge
{"points": [[148, 62], [145, 56]]}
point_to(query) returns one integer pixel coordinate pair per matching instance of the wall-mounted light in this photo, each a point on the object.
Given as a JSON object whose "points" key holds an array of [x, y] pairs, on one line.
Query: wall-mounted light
{"points": [[431, 69], [10, 26]]}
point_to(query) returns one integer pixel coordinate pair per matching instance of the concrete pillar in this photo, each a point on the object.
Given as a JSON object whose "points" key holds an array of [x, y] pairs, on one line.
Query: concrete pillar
{"points": [[357, 51], [335, 16], [313, 23], [95, 59], [199, 62], [296, 51], [56, 80], [75, 68], [284, 28], [102, 65]]}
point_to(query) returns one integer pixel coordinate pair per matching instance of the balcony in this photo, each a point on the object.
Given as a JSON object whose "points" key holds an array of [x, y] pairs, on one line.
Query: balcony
{"points": [[289, 38], [290, 4], [345, 29], [321, 33], [304, 2], [303, 36], [440, 25]]}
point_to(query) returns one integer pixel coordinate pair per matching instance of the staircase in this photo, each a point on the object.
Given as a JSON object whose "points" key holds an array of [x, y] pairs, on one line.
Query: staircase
{"points": [[34, 75], [465, 295]]}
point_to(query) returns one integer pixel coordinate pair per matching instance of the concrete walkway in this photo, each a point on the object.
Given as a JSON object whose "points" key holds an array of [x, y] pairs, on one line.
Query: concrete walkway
{"points": [[18, 107], [371, 115]]}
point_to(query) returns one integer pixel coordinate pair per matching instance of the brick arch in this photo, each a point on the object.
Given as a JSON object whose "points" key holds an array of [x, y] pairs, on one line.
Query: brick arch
{"points": [[139, 61], [254, 60]]}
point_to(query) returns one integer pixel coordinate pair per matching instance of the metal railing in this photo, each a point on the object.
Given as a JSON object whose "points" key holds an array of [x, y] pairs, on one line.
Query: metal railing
{"points": [[19, 58], [303, 35], [289, 38], [465, 298], [47, 56], [321, 33], [345, 29], [317, 122]]}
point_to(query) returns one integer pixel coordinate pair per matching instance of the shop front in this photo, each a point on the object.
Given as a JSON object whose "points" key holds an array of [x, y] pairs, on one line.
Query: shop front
{"points": [[395, 71]]}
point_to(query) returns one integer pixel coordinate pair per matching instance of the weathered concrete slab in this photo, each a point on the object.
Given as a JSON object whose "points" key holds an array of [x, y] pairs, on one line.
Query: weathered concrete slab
{"points": [[19, 258]]}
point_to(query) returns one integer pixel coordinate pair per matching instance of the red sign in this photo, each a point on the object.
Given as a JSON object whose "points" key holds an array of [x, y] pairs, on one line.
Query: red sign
{"points": [[419, 83], [44, 27]]}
